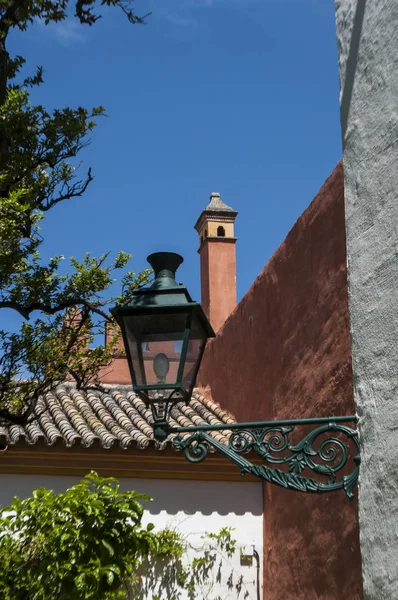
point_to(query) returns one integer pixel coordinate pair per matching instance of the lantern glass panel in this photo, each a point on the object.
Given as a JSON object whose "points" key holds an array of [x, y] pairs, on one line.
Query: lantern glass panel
{"points": [[196, 344], [155, 345]]}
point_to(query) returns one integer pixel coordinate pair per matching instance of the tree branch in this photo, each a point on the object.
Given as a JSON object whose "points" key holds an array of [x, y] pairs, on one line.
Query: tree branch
{"points": [[26, 310], [71, 193]]}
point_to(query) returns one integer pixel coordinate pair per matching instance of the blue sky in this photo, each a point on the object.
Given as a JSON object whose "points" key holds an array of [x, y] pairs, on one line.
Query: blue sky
{"points": [[234, 96]]}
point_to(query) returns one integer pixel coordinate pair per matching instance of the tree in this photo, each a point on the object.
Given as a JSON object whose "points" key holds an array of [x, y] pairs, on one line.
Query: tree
{"points": [[38, 170], [89, 543]]}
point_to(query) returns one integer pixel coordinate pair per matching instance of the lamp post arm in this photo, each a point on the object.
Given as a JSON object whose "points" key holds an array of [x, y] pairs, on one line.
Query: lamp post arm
{"points": [[263, 424], [325, 451]]}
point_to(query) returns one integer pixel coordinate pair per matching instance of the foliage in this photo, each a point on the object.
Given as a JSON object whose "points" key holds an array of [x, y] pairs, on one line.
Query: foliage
{"points": [[79, 544], [89, 543], [39, 169]]}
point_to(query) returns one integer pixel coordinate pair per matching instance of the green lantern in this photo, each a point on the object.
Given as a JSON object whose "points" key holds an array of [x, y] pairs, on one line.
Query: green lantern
{"points": [[164, 334]]}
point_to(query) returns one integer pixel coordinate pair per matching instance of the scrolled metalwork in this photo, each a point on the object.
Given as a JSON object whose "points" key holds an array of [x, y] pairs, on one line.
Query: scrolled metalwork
{"points": [[331, 450], [242, 441], [263, 441], [325, 456], [193, 447]]}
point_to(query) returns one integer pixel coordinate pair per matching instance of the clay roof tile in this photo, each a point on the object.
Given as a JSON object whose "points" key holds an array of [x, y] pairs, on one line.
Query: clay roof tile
{"points": [[112, 417]]}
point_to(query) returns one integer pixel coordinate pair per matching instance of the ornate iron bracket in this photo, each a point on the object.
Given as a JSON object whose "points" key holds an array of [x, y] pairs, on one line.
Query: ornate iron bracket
{"points": [[325, 451]]}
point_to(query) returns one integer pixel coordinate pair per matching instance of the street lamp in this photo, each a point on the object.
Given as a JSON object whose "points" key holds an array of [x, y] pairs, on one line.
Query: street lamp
{"points": [[164, 334]]}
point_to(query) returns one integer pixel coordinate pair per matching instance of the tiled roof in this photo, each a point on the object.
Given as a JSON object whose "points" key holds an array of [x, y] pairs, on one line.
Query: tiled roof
{"points": [[114, 417]]}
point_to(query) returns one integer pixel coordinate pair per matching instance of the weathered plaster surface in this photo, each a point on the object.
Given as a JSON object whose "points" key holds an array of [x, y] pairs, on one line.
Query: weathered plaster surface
{"points": [[285, 352], [367, 34]]}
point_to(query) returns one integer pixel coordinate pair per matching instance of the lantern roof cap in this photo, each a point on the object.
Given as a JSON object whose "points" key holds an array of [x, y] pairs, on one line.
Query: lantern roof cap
{"points": [[165, 294]]}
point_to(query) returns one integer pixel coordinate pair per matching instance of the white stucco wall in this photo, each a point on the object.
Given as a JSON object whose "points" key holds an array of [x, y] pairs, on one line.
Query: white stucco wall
{"points": [[367, 32], [192, 508]]}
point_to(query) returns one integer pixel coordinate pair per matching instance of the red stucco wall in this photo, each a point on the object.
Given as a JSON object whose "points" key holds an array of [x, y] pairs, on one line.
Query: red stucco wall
{"points": [[285, 353]]}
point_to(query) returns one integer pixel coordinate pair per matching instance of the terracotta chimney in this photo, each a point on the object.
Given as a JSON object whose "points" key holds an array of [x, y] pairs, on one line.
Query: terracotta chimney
{"points": [[215, 227]]}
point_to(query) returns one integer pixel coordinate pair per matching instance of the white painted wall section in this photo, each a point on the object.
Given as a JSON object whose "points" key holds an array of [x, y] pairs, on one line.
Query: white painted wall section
{"points": [[367, 33]]}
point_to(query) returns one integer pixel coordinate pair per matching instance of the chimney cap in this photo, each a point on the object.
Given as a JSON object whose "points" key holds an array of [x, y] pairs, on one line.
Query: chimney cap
{"points": [[216, 204], [216, 210]]}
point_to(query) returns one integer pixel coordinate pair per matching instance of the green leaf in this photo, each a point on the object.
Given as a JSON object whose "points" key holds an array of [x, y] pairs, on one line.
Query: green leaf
{"points": [[108, 546], [110, 577], [80, 581]]}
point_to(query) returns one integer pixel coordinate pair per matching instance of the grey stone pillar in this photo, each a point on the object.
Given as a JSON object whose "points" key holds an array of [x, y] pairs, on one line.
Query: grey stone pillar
{"points": [[367, 33]]}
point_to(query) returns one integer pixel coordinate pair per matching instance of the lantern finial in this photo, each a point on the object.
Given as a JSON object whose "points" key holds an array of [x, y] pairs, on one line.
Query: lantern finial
{"points": [[165, 265]]}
